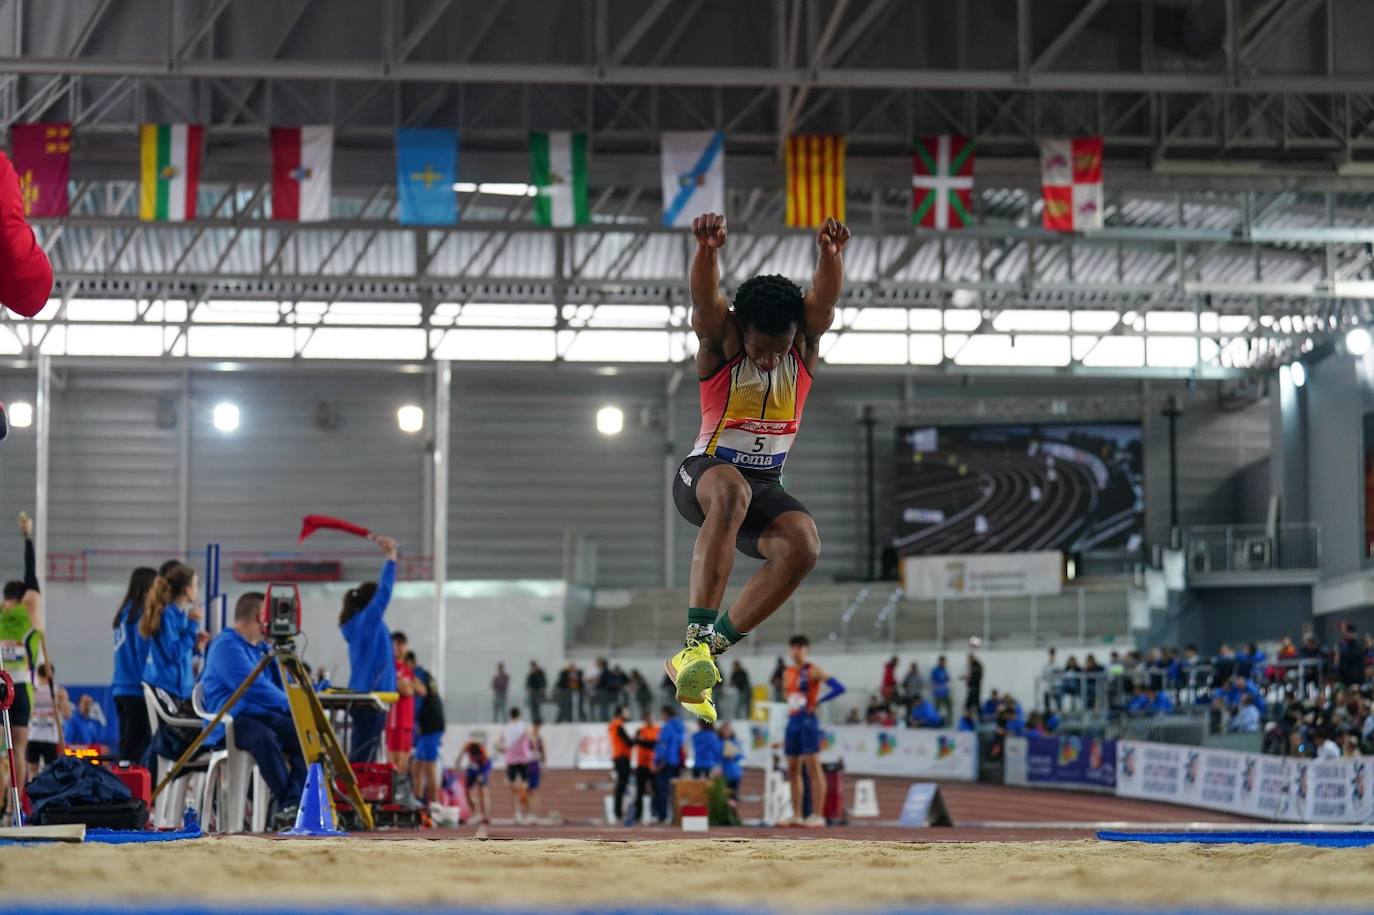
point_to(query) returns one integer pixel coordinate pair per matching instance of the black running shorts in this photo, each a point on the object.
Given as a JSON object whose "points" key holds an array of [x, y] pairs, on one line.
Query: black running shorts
{"points": [[768, 500]]}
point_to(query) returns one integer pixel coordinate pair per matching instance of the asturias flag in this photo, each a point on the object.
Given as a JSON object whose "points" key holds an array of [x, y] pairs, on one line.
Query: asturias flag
{"points": [[426, 169], [558, 170], [170, 158], [42, 155], [942, 182], [302, 158]]}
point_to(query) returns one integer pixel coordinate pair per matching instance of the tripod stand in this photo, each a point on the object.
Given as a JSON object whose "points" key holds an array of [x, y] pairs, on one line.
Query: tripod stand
{"points": [[316, 736]]}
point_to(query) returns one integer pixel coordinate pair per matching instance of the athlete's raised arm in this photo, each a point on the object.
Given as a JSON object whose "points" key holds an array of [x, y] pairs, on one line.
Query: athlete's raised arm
{"points": [[828, 281], [710, 311]]}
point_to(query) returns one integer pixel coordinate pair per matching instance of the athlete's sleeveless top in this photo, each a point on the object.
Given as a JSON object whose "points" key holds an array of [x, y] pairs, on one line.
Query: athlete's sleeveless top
{"points": [[801, 688], [43, 716], [16, 642], [750, 417]]}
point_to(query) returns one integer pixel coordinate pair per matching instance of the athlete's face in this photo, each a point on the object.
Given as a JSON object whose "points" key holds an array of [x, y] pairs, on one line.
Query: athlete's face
{"points": [[766, 351], [799, 654]]}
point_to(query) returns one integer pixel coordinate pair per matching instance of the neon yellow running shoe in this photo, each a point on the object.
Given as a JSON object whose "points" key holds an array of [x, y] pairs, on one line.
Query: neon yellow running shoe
{"points": [[694, 672]]}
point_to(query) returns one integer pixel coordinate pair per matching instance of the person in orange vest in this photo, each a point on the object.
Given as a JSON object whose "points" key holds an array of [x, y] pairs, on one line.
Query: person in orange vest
{"points": [[645, 740], [620, 759]]}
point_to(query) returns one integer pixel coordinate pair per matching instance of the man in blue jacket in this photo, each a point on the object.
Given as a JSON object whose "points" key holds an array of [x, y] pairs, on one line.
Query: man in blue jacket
{"points": [[262, 716], [667, 762]]}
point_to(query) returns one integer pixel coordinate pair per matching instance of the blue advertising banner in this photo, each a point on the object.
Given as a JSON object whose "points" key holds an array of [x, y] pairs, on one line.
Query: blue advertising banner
{"points": [[1089, 761]]}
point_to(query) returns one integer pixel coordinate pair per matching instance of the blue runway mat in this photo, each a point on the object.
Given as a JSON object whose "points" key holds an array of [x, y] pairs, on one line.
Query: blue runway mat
{"points": [[1343, 839]]}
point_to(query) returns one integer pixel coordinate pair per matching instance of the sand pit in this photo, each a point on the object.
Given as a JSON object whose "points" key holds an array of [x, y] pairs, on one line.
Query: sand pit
{"points": [[806, 874]]}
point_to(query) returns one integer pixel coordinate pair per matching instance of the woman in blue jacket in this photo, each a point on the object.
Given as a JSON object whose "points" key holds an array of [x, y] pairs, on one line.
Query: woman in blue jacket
{"points": [[371, 659], [130, 655], [171, 624]]}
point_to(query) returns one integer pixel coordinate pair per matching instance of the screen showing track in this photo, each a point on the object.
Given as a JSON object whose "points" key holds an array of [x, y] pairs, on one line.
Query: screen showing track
{"points": [[988, 489]]}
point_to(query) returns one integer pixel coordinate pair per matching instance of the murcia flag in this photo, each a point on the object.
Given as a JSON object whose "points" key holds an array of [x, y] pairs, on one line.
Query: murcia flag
{"points": [[301, 161], [558, 171], [42, 155], [1071, 180], [942, 182], [815, 178], [170, 158], [693, 175]]}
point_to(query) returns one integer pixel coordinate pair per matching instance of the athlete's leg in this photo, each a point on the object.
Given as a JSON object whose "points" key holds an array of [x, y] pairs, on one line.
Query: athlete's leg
{"points": [[724, 497], [813, 768], [794, 776], [790, 547]]}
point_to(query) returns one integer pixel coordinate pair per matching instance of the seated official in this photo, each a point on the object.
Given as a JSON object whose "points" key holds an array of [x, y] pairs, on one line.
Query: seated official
{"points": [[924, 714], [262, 716], [86, 726]]}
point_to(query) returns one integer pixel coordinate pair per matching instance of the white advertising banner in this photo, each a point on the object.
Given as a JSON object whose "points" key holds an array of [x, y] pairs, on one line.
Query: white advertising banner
{"points": [[979, 574], [906, 752], [1252, 784]]}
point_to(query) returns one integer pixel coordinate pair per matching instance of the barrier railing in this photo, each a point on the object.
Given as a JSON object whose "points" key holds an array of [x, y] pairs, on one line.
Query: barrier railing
{"points": [[1291, 547], [239, 565]]}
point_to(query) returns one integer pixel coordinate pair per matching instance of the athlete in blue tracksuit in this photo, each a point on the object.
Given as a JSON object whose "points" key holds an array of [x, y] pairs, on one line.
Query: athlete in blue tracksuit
{"points": [[130, 657], [371, 659], [672, 736], [708, 751]]}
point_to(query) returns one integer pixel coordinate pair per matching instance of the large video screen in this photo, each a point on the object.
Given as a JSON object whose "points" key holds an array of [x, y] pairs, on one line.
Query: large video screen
{"points": [[993, 489]]}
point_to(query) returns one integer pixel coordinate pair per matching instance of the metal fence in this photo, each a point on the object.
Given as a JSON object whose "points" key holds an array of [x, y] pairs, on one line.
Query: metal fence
{"points": [[1253, 547]]}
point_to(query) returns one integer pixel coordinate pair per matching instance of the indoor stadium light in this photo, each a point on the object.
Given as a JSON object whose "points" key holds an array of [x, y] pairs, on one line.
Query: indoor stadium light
{"points": [[21, 414], [1357, 341], [1297, 374], [610, 420], [226, 417], [410, 418], [497, 188]]}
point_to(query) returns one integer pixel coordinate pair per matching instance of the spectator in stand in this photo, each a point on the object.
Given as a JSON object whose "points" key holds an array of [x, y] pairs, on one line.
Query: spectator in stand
{"points": [[965, 723], [86, 726], [939, 686], [130, 657], [668, 757], [1315, 657], [577, 688], [370, 659], [888, 685], [500, 689], [603, 691], [912, 684], [744, 690], [1150, 701], [641, 693], [562, 694], [1246, 720], [514, 743], [1223, 667], [643, 757], [667, 689], [708, 751], [973, 677], [620, 761], [732, 759], [924, 714], [400, 720], [476, 766], [536, 685], [1092, 681], [1071, 684], [621, 683], [1350, 655], [1229, 698], [990, 705], [1049, 676], [776, 680], [1327, 748], [429, 734]]}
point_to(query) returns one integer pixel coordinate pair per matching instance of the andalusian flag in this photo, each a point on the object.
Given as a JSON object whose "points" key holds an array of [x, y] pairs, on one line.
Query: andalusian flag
{"points": [[170, 157], [815, 179], [558, 169], [942, 182]]}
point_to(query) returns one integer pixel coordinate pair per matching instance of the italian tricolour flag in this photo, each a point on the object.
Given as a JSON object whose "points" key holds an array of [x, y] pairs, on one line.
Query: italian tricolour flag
{"points": [[558, 171], [170, 173]]}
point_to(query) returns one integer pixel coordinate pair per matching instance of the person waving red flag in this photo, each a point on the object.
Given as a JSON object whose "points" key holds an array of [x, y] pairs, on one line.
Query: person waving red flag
{"points": [[25, 274]]}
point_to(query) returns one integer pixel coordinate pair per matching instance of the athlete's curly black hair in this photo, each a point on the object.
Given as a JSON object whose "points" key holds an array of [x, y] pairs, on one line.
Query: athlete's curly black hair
{"points": [[772, 305]]}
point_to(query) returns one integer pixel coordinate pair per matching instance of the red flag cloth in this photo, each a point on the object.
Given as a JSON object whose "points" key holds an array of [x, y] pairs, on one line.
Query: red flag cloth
{"points": [[312, 523], [42, 158], [25, 274]]}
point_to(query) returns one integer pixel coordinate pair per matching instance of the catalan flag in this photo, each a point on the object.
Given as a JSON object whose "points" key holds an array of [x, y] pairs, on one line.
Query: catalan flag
{"points": [[170, 174], [815, 178]]}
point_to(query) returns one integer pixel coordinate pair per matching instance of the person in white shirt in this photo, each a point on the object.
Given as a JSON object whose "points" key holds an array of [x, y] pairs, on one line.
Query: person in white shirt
{"points": [[1246, 720], [1328, 749], [514, 743]]}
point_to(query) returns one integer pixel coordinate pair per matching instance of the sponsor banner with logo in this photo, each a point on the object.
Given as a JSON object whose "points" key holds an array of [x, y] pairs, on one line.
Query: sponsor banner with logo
{"points": [[975, 575], [1071, 761], [1253, 784], [908, 752]]}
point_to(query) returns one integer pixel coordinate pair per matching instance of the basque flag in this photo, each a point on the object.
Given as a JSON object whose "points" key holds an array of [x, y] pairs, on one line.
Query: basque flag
{"points": [[301, 182]]}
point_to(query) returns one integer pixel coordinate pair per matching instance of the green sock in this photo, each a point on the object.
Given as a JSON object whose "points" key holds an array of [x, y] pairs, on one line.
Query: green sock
{"points": [[699, 622], [724, 634]]}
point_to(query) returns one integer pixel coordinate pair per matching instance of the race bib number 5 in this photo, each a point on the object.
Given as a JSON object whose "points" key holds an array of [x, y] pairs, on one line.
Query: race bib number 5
{"points": [[756, 442]]}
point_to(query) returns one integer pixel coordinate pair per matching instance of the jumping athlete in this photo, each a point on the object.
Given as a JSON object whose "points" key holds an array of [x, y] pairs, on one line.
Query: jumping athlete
{"points": [[802, 742], [755, 363]]}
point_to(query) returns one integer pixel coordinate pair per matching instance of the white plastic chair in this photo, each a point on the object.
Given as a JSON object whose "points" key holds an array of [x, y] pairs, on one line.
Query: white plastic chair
{"points": [[238, 767], [170, 806]]}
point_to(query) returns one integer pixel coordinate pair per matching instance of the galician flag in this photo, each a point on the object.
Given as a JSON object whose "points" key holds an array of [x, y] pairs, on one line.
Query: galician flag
{"points": [[558, 170], [942, 182], [1071, 182], [693, 175], [169, 155], [302, 158]]}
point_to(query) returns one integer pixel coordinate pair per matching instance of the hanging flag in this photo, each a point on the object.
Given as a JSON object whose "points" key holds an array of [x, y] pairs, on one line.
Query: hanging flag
{"points": [[42, 157], [693, 175], [815, 178], [426, 169], [1071, 179], [301, 161], [558, 169], [942, 182], [170, 158]]}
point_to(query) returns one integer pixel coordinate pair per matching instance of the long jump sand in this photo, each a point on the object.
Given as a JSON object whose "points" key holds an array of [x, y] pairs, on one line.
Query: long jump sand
{"points": [[772, 873]]}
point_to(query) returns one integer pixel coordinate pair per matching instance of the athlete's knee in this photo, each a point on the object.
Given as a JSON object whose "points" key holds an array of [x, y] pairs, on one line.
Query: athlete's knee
{"points": [[803, 551], [729, 502]]}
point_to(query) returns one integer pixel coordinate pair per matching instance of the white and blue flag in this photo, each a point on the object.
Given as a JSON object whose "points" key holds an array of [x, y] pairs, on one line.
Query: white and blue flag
{"points": [[693, 175]]}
